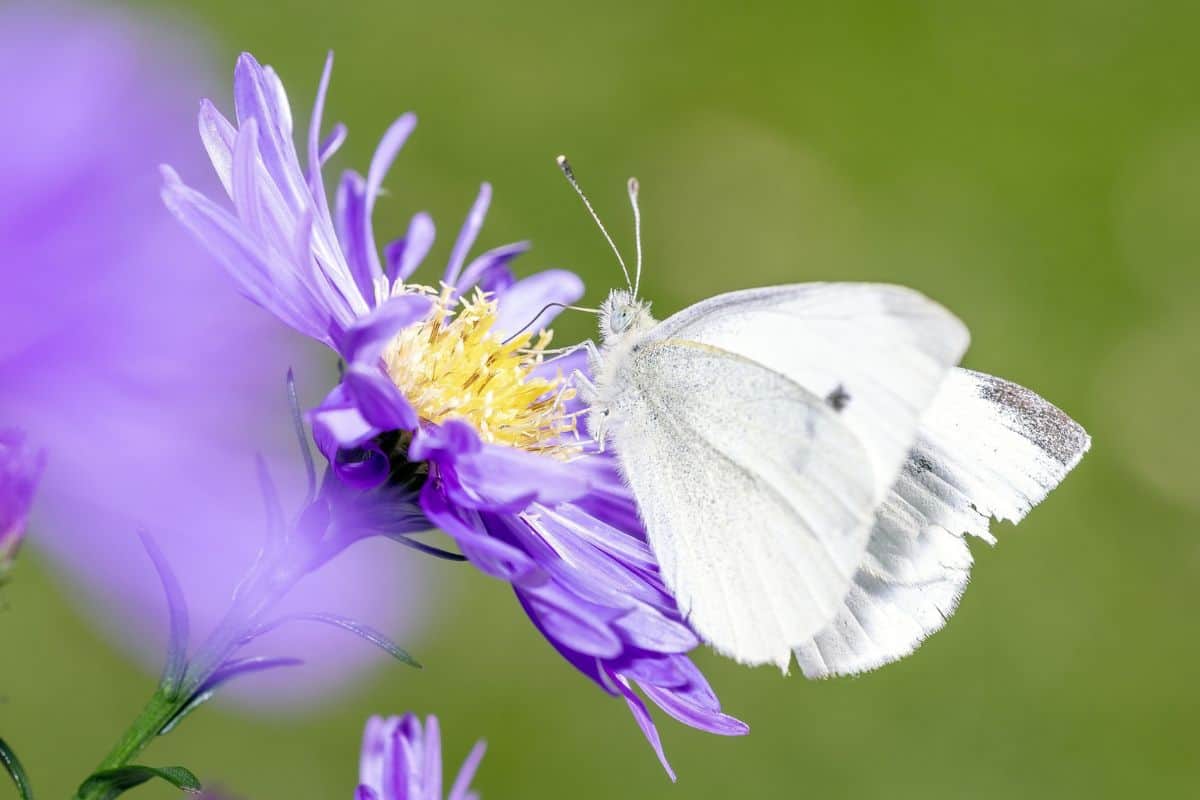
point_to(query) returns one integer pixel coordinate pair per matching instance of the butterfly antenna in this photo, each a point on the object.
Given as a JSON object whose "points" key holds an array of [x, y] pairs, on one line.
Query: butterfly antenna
{"points": [[565, 166], [546, 308], [637, 233]]}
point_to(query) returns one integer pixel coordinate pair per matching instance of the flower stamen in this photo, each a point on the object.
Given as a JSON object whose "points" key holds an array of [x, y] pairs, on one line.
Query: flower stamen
{"points": [[453, 366]]}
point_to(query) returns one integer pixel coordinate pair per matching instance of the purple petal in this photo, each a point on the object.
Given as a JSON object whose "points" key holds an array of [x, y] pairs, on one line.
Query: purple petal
{"points": [[351, 230], [497, 281], [663, 671], [385, 154], [333, 142], [483, 269], [490, 555], [697, 691], [245, 177], [279, 94], [432, 766], [389, 147], [251, 268], [499, 477], [594, 573], [521, 303], [601, 535], [693, 715], [648, 629], [466, 773], [405, 255], [338, 423], [443, 443], [315, 183], [468, 234], [565, 620], [374, 746], [642, 717], [218, 135], [402, 777], [365, 339], [378, 400], [257, 97]]}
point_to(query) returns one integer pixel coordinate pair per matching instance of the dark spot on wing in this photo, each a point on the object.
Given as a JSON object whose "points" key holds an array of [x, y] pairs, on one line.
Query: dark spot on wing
{"points": [[1038, 420], [839, 398]]}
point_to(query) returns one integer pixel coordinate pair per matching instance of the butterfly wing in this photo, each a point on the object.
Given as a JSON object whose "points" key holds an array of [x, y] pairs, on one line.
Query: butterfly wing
{"points": [[884, 349], [987, 448], [756, 498]]}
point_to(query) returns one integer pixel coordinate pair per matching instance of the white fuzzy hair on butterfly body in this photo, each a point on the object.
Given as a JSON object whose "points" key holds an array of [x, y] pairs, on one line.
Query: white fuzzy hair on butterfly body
{"points": [[624, 320]]}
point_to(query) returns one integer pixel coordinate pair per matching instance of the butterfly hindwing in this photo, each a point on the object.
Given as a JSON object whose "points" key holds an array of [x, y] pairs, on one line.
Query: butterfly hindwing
{"points": [[988, 448]]}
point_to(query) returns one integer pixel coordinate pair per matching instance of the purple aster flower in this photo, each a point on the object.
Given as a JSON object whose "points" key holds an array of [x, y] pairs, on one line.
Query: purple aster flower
{"points": [[20, 468], [402, 760], [444, 393], [112, 363]]}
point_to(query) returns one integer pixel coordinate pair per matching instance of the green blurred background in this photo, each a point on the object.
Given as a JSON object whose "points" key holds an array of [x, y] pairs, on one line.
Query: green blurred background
{"points": [[1033, 165]]}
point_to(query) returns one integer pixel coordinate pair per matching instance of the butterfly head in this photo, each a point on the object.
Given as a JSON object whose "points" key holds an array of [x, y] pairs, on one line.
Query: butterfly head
{"points": [[622, 314]]}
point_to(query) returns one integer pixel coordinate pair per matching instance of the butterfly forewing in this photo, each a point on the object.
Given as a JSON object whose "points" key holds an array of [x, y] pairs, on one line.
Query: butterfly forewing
{"points": [[756, 497], [881, 351]]}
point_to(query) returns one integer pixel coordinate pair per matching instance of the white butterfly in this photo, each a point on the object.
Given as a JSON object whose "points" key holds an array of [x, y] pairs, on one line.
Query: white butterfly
{"points": [[807, 458]]}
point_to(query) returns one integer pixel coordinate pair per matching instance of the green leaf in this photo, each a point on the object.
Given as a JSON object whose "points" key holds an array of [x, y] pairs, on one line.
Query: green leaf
{"points": [[112, 782], [12, 766]]}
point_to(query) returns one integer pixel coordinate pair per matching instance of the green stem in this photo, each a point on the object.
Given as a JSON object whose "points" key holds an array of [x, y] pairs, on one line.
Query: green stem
{"points": [[12, 765], [157, 713]]}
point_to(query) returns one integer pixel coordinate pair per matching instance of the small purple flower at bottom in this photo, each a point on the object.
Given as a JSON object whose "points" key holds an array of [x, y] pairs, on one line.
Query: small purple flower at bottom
{"points": [[20, 468], [402, 760]]}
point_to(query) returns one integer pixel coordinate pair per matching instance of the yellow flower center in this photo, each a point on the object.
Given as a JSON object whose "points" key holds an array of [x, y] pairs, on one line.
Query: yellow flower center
{"points": [[452, 366]]}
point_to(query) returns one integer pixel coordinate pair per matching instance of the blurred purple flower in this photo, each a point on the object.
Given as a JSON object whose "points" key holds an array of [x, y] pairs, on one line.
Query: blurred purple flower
{"points": [[402, 760], [444, 394], [111, 360], [20, 468]]}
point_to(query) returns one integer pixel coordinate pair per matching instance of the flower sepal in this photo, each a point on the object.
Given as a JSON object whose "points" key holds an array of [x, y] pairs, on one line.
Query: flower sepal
{"points": [[12, 765], [114, 782]]}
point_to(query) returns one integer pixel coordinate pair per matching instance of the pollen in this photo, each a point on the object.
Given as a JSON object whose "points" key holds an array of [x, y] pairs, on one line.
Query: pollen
{"points": [[453, 366]]}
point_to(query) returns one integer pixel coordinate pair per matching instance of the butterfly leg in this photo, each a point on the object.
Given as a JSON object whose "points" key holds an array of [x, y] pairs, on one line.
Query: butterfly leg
{"points": [[584, 386], [583, 383], [597, 415]]}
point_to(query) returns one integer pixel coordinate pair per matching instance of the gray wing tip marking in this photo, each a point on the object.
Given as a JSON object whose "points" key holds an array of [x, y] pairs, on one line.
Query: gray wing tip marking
{"points": [[1042, 422]]}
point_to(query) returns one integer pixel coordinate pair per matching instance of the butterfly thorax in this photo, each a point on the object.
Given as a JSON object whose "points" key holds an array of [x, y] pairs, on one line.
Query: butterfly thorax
{"points": [[624, 322]]}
